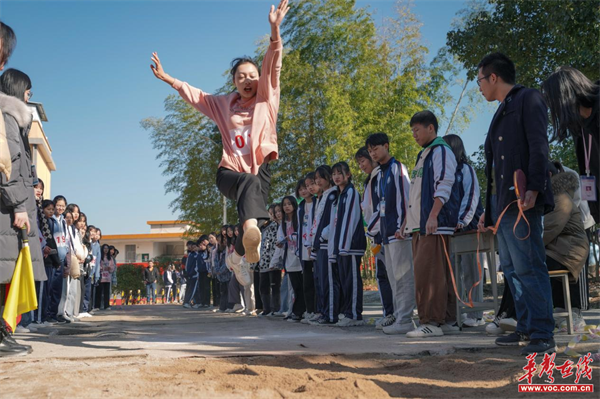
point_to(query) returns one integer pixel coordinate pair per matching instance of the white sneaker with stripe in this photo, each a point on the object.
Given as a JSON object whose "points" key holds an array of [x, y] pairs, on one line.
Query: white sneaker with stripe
{"points": [[424, 331]]}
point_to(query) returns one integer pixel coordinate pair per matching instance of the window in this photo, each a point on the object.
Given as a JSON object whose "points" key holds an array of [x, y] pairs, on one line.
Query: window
{"points": [[130, 253]]}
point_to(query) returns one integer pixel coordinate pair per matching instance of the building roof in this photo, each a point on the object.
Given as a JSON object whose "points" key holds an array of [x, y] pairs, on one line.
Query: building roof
{"points": [[159, 222], [142, 236]]}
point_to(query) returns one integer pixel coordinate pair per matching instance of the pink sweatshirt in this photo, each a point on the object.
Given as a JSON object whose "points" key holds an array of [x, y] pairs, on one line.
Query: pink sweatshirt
{"points": [[247, 126]]}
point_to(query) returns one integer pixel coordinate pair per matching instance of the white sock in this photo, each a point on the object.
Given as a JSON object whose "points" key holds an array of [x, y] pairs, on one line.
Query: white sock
{"points": [[235, 258]]}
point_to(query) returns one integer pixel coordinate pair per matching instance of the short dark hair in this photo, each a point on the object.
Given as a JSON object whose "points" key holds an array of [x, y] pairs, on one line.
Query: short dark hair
{"points": [[498, 64], [310, 175], [59, 198], [424, 118], [324, 171], [47, 203], [15, 83], [187, 244], [376, 139], [203, 237], [362, 153], [8, 42], [299, 185], [236, 62]]}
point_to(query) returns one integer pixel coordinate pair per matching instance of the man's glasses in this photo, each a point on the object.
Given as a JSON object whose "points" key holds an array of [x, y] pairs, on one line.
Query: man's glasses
{"points": [[480, 79]]}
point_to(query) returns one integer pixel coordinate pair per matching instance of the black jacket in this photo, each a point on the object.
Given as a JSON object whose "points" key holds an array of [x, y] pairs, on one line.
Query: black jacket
{"points": [[518, 139], [151, 276]]}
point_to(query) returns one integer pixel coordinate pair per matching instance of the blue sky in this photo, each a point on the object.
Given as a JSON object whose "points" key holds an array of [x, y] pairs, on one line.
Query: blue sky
{"points": [[89, 64]]}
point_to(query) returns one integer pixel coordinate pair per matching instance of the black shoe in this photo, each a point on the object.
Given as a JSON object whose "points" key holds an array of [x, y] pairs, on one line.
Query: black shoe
{"points": [[10, 347], [539, 346], [62, 320], [516, 338], [295, 319]]}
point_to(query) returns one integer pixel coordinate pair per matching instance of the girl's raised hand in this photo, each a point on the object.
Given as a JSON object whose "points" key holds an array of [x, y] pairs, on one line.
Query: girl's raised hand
{"points": [[158, 70], [276, 15]]}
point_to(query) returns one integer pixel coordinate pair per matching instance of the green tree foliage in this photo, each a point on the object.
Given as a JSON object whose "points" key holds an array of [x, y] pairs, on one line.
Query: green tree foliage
{"points": [[130, 277], [538, 36], [341, 80]]}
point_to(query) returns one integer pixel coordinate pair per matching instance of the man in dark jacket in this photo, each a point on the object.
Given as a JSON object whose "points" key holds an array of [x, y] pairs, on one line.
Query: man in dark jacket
{"points": [[150, 278], [517, 140]]}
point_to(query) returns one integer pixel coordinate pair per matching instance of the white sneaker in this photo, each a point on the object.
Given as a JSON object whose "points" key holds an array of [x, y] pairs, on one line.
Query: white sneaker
{"points": [[32, 327], [450, 329], [241, 270], [237, 308], [343, 322], [355, 323], [187, 306], [385, 322], [425, 331], [21, 330], [399, 328], [470, 322], [493, 328], [307, 317], [277, 314], [508, 324], [85, 314], [251, 242]]}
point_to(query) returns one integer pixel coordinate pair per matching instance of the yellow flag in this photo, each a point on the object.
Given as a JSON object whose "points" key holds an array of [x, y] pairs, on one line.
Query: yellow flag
{"points": [[21, 295]]}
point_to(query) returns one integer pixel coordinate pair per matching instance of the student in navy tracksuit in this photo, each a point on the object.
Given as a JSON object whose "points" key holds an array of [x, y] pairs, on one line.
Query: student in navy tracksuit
{"points": [[468, 215], [327, 271], [431, 219], [306, 213], [202, 295], [369, 206], [317, 192], [348, 244], [192, 276], [393, 195]]}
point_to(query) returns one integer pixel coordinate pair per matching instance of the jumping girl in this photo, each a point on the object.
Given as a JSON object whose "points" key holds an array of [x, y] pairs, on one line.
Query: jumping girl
{"points": [[247, 121]]}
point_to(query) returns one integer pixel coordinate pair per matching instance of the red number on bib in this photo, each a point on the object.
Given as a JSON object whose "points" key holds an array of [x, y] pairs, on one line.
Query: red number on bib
{"points": [[239, 141]]}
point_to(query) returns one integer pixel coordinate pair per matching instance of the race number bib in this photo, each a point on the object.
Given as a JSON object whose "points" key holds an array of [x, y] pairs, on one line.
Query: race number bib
{"points": [[588, 188], [240, 140]]}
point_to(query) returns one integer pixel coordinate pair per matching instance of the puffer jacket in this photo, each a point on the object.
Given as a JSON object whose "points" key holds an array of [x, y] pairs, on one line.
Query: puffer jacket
{"points": [[16, 192], [564, 236]]}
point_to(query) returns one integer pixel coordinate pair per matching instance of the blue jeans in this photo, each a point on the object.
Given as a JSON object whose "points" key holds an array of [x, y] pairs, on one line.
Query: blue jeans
{"points": [[524, 265], [151, 292]]}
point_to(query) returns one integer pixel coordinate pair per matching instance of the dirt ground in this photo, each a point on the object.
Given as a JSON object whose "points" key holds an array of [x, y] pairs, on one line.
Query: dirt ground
{"points": [[166, 351]]}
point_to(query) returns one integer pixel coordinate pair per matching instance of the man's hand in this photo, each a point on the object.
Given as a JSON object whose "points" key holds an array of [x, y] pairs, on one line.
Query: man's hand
{"points": [[432, 225], [481, 224], [529, 201], [21, 219]]}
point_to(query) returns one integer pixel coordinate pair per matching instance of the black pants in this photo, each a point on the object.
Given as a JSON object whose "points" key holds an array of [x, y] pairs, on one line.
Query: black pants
{"points": [[507, 305], [351, 286], [309, 285], [224, 296], [216, 291], [299, 304], [204, 288], [251, 194], [103, 296], [190, 290], [257, 298], [558, 297], [270, 290]]}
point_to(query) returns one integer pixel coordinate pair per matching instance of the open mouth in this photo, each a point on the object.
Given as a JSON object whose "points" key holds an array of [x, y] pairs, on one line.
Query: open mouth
{"points": [[248, 89]]}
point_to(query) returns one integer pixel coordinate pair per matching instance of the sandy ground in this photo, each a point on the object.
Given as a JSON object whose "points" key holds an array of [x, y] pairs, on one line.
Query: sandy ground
{"points": [[167, 351]]}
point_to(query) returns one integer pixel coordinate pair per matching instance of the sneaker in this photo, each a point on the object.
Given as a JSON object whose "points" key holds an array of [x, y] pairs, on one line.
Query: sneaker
{"points": [[450, 329], [508, 324], [470, 322], [343, 322], [109, 308], [237, 308], [355, 323], [399, 328], [264, 313], [63, 319], [251, 242], [493, 328], [539, 346], [315, 322], [516, 338], [307, 317], [425, 331], [46, 324], [196, 306], [187, 306], [228, 311], [385, 322], [84, 314], [277, 314], [33, 327], [53, 320], [325, 322], [22, 330], [293, 318]]}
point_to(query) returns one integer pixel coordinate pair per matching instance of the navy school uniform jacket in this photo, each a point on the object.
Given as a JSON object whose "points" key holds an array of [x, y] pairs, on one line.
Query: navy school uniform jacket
{"points": [[393, 185], [370, 204], [202, 262], [439, 174], [347, 228], [303, 237], [469, 196], [190, 266], [321, 234]]}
